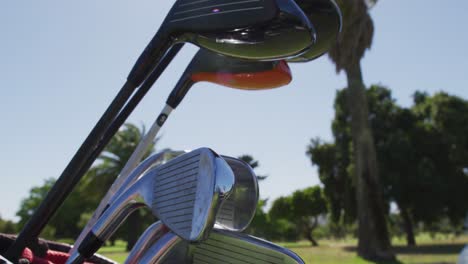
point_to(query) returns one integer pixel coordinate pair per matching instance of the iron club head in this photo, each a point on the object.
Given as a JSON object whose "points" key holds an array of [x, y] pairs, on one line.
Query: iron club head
{"points": [[238, 210], [234, 214], [222, 246], [184, 193]]}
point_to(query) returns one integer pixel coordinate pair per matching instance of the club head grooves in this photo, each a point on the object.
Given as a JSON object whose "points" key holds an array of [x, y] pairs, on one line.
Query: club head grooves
{"points": [[186, 194], [222, 246]]}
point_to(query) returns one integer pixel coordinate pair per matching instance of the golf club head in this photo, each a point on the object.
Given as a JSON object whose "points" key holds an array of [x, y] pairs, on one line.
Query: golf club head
{"points": [[231, 72], [235, 213], [326, 17], [184, 193], [237, 73], [238, 210], [222, 246], [188, 190], [252, 29], [157, 159]]}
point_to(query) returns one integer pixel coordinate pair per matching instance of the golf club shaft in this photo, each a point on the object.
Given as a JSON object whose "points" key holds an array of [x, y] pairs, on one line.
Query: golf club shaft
{"points": [[69, 177], [123, 179], [113, 128], [153, 233]]}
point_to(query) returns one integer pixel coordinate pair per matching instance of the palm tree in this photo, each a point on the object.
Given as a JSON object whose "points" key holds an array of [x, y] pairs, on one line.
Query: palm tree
{"points": [[111, 162], [346, 53]]}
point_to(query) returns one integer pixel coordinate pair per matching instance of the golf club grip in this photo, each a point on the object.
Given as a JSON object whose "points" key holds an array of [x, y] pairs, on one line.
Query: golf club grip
{"points": [[69, 177], [150, 57], [114, 127]]}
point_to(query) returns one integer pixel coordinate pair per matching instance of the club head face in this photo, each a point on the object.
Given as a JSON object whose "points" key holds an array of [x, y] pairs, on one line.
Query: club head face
{"points": [[238, 210], [268, 30], [237, 73], [326, 16], [240, 248], [222, 246], [188, 190]]}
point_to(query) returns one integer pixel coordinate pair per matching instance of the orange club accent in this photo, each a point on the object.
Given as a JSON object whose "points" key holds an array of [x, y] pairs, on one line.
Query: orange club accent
{"points": [[276, 77]]}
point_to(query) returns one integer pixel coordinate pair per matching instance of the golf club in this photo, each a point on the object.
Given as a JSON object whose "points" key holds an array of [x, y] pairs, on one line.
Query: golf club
{"points": [[278, 28], [238, 210], [98, 138], [184, 193], [222, 246], [234, 214], [326, 17], [205, 66]]}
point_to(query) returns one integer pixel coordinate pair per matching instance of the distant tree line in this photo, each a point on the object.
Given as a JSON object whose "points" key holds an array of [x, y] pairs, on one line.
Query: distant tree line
{"points": [[422, 156]]}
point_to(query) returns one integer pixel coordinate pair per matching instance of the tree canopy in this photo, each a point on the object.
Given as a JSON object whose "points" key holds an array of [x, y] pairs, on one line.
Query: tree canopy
{"points": [[421, 154]]}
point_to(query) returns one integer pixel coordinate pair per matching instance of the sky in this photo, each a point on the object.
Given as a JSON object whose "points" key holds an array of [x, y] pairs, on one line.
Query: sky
{"points": [[62, 62]]}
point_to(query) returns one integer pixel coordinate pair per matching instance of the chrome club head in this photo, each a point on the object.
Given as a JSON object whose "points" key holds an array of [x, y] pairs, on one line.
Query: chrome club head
{"points": [[234, 214], [239, 208], [184, 193], [222, 246]]}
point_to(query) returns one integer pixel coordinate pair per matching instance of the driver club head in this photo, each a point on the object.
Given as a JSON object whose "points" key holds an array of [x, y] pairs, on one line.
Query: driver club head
{"points": [[238, 73], [222, 246], [184, 193], [326, 17], [231, 72], [252, 29]]}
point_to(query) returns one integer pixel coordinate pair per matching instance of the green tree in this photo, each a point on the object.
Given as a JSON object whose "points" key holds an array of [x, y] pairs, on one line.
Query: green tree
{"points": [[443, 118], [418, 164], [302, 208], [7, 226], [346, 53]]}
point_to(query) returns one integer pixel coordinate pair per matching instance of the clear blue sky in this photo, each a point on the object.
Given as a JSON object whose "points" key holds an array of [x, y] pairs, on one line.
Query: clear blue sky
{"points": [[62, 62]]}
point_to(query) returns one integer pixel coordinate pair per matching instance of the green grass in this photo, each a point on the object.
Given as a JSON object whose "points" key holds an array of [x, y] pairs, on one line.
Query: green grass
{"points": [[429, 250]]}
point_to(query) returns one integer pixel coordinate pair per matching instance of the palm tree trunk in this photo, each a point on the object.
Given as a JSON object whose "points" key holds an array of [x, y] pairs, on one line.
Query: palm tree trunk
{"points": [[374, 242]]}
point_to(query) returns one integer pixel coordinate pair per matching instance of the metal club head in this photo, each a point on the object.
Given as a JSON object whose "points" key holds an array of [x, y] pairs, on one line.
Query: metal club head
{"points": [[234, 214], [248, 29], [222, 246], [238, 210], [188, 190], [238, 73], [326, 17], [184, 193], [253, 29], [231, 72]]}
